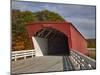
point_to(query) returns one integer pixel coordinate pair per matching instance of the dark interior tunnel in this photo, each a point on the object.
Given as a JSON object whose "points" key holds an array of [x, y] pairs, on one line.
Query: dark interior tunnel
{"points": [[58, 45], [57, 42]]}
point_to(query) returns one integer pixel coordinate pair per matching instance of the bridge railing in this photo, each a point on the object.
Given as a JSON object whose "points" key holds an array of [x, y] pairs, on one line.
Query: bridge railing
{"points": [[22, 53], [82, 61]]}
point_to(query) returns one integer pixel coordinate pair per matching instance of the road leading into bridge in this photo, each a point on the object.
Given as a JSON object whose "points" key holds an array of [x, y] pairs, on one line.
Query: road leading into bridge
{"points": [[38, 64]]}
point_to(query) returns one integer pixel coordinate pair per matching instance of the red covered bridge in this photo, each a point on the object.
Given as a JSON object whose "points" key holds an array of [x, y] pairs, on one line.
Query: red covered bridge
{"points": [[61, 37], [60, 45]]}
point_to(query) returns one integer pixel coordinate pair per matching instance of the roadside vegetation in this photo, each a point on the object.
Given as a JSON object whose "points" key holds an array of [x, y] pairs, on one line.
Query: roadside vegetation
{"points": [[91, 43], [92, 54]]}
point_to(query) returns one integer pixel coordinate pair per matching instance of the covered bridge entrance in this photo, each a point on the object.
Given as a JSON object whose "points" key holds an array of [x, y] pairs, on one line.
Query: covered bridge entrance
{"points": [[55, 38]]}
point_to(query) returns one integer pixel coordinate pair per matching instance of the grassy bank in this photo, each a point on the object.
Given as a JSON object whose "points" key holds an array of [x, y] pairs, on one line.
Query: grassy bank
{"points": [[92, 54]]}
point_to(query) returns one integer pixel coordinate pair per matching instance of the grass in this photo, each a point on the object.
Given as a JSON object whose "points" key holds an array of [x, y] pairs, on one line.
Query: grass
{"points": [[91, 43], [92, 54]]}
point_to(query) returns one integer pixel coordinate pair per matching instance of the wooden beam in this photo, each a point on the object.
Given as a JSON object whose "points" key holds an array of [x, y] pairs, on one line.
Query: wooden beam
{"points": [[48, 34], [41, 33]]}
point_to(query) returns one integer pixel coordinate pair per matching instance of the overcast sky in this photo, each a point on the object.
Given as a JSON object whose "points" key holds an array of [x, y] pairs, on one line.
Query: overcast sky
{"points": [[81, 16]]}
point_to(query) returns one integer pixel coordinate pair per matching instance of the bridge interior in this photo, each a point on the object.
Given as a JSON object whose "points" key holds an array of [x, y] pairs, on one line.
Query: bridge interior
{"points": [[50, 42]]}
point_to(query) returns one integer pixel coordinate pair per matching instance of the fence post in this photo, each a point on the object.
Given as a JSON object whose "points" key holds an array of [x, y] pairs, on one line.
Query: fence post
{"points": [[32, 53], [15, 57], [25, 55]]}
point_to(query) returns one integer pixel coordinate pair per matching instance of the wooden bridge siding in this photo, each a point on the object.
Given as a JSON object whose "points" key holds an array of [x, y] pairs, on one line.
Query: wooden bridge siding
{"points": [[79, 43], [62, 27], [74, 36]]}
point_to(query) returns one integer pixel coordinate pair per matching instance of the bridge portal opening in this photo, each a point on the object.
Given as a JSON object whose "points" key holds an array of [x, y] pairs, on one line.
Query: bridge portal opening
{"points": [[49, 41]]}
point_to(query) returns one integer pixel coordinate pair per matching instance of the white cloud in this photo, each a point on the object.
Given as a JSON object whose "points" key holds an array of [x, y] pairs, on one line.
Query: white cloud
{"points": [[83, 17]]}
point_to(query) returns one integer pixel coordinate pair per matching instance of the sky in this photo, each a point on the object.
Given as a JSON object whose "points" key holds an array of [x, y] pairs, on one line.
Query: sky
{"points": [[83, 17]]}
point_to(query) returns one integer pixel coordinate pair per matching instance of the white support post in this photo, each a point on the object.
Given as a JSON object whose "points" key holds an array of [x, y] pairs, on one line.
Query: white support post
{"points": [[25, 55], [15, 58], [32, 53]]}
